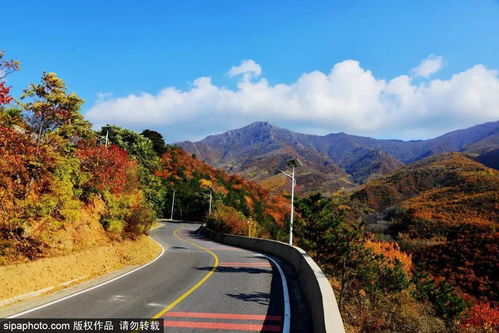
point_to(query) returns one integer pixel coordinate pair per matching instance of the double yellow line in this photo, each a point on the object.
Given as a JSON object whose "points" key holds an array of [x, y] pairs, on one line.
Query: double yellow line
{"points": [[197, 285]]}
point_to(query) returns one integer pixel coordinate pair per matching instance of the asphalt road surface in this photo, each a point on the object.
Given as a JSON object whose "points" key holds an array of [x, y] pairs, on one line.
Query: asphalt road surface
{"points": [[197, 286]]}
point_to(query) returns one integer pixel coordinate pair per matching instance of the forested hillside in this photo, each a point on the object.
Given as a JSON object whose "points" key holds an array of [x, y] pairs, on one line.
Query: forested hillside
{"points": [[65, 187], [60, 189], [236, 201], [444, 211], [446, 189]]}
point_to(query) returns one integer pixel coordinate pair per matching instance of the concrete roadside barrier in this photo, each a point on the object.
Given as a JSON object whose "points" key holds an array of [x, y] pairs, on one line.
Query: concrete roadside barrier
{"points": [[316, 288]]}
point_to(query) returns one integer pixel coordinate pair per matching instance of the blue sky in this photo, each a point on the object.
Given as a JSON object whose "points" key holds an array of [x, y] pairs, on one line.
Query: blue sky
{"points": [[129, 52]]}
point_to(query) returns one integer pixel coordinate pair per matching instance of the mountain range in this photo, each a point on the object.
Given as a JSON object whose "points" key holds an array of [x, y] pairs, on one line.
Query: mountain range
{"points": [[333, 161]]}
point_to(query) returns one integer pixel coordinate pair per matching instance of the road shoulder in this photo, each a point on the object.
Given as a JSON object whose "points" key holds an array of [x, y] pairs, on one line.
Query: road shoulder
{"points": [[84, 281]]}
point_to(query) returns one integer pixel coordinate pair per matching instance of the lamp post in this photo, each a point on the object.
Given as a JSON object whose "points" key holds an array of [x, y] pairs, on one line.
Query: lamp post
{"points": [[105, 139], [294, 163], [173, 203], [211, 199], [249, 223]]}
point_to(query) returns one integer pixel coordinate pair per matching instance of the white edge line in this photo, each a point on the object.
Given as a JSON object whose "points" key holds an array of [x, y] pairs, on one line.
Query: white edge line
{"points": [[287, 308], [91, 288], [285, 291]]}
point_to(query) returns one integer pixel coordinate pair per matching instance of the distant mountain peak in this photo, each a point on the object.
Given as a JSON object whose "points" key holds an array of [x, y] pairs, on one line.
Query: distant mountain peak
{"points": [[260, 124], [255, 127], [257, 149]]}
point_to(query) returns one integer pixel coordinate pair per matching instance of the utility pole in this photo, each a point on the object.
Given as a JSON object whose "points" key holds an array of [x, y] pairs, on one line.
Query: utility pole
{"points": [[173, 203], [107, 137], [293, 183]]}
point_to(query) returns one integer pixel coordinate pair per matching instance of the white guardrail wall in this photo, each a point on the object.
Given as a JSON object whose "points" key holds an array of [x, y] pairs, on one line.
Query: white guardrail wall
{"points": [[315, 286]]}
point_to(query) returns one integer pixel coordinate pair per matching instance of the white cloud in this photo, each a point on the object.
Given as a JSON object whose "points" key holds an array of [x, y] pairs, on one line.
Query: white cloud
{"points": [[429, 66], [348, 98], [249, 68]]}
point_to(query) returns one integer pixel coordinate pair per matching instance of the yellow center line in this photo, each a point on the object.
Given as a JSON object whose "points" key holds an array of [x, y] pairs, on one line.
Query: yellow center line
{"points": [[197, 285]]}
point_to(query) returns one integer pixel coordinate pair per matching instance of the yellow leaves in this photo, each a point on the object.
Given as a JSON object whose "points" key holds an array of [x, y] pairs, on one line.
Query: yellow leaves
{"points": [[233, 221], [220, 189], [53, 80], [206, 183], [249, 201], [391, 251], [344, 207]]}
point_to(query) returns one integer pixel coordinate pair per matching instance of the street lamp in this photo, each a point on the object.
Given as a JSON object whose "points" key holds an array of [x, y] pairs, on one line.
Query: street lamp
{"points": [[294, 163]]}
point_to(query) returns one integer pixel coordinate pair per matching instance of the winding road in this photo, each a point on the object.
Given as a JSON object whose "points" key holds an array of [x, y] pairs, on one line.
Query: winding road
{"points": [[196, 285]]}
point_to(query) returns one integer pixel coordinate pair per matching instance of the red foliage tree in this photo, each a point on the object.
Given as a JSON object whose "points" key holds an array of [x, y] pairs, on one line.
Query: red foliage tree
{"points": [[6, 67], [482, 316], [18, 164], [109, 167], [4, 94]]}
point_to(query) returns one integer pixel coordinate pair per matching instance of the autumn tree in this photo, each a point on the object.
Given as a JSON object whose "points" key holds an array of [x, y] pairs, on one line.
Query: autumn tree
{"points": [[53, 114], [114, 178], [482, 317], [4, 94], [142, 149], [6, 68], [11, 116], [108, 167], [229, 220], [18, 165]]}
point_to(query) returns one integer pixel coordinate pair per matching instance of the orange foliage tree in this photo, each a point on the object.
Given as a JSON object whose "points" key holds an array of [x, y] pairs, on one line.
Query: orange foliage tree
{"points": [[391, 252]]}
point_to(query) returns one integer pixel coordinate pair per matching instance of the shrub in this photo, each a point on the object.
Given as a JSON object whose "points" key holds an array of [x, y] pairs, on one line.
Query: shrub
{"points": [[140, 218], [229, 220]]}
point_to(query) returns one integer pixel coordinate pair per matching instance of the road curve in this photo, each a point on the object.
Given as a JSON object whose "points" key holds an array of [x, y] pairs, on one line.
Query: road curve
{"points": [[197, 286]]}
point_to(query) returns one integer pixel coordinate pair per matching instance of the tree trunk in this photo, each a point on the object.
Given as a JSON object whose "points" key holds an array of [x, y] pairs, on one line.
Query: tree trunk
{"points": [[38, 142]]}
